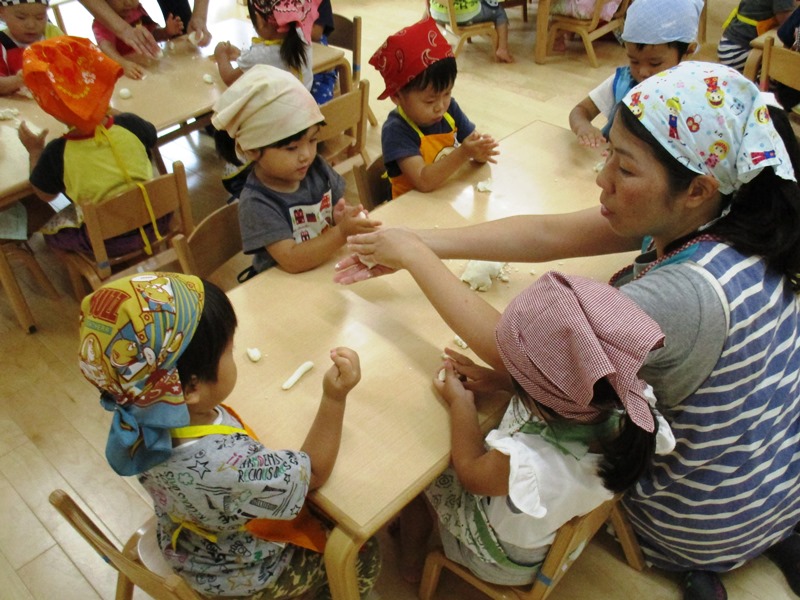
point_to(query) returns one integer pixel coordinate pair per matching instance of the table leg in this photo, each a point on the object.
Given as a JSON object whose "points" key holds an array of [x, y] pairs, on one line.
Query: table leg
{"points": [[341, 552], [18, 303], [542, 20]]}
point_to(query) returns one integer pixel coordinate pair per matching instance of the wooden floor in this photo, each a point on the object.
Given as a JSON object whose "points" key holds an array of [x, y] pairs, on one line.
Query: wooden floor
{"points": [[52, 429]]}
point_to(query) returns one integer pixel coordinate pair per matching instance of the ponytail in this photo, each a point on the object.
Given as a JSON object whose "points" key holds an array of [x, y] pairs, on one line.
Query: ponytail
{"points": [[627, 456], [293, 51]]}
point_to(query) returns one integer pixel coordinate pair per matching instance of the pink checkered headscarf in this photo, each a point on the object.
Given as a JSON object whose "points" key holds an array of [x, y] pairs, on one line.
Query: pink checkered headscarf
{"points": [[284, 13], [564, 333]]}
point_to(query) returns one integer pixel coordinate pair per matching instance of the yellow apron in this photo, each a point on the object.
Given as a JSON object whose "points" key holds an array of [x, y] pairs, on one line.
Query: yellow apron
{"points": [[431, 147], [304, 530], [761, 26]]}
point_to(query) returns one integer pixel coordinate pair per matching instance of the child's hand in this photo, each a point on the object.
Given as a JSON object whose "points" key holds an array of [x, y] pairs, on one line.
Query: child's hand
{"points": [[32, 142], [343, 375], [174, 25], [225, 51], [351, 219], [476, 378], [132, 70], [590, 136], [451, 389], [481, 147]]}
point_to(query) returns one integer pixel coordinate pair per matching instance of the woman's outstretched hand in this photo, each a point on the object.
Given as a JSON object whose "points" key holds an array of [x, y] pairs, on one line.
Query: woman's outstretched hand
{"points": [[386, 250]]}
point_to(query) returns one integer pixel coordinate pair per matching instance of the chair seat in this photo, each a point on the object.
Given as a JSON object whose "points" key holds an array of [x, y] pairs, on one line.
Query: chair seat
{"points": [[149, 551]]}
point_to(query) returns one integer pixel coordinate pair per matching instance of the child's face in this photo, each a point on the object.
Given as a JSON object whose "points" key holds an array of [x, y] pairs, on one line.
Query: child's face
{"points": [[123, 7], [284, 168], [424, 107], [26, 22], [650, 59]]}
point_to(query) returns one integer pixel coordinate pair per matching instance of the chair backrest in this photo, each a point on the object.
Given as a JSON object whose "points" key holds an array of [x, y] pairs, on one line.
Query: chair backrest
{"points": [[131, 571], [465, 32], [345, 127], [373, 187], [347, 34], [167, 194], [779, 64], [214, 241]]}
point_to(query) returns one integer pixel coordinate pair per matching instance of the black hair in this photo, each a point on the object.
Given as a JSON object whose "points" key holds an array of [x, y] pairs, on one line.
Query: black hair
{"points": [[226, 147], [681, 47], [628, 454], [214, 332], [765, 212], [293, 138], [293, 48], [440, 75]]}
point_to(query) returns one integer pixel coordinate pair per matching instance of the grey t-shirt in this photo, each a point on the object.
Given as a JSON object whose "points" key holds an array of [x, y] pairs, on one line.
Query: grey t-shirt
{"points": [[759, 10], [683, 300]]}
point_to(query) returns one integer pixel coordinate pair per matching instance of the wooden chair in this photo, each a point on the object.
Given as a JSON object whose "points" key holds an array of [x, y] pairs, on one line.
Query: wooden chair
{"points": [[466, 32], [522, 3], [128, 562], [567, 546], [345, 130], [125, 212], [374, 187], [214, 241], [779, 64], [347, 35], [588, 29]]}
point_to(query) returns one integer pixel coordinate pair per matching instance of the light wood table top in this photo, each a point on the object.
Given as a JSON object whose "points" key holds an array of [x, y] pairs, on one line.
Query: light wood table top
{"points": [[396, 430]]}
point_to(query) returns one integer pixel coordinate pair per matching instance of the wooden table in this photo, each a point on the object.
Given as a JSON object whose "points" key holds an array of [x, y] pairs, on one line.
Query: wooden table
{"points": [[396, 429]]}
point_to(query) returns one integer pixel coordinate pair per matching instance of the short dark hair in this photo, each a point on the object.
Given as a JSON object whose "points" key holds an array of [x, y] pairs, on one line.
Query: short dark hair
{"points": [[681, 47], [214, 332], [440, 75], [293, 138]]}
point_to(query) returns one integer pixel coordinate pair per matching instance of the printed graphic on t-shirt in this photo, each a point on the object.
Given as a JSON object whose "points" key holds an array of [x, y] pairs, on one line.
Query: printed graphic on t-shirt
{"points": [[311, 220]]}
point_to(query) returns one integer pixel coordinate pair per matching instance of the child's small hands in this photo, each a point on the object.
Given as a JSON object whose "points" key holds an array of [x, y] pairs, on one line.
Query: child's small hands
{"points": [[132, 70], [173, 25], [475, 377], [351, 220], [31, 141], [481, 147], [591, 137], [343, 375], [226, 51], [452, 389]]}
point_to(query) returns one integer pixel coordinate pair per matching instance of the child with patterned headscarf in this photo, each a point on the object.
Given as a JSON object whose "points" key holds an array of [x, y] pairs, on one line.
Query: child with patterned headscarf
{"points": [[159, 347], [657, 36], [427, 138], [284, 40], [99, 156], [580, 428], [25, 23]]}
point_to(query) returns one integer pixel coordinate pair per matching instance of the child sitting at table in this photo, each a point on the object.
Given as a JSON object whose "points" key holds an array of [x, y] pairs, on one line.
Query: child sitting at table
{"points": [[232, 513], [656, 38], [26, 23], [427, 138], [580, 428], [135, 15], [746, 22], [87, 162], [469, 12], [284, 40], [292, 210]]}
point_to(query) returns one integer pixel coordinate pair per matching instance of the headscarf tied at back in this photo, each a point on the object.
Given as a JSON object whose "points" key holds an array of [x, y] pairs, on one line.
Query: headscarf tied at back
{"points": [[713, 120], [652, 22], [132, 332], [284, 13], [564, 333], [71, 79]]}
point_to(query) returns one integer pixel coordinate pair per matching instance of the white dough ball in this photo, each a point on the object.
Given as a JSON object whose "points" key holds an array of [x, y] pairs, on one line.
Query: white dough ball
{"points": [[125, 93]]}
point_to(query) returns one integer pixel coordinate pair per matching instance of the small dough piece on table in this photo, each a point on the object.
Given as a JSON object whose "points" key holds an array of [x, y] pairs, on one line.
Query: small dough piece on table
{"points": [[208, 78], [478, 274], [460, 343], [301, 370], [442, 375], [125, 93], [254, 354]]}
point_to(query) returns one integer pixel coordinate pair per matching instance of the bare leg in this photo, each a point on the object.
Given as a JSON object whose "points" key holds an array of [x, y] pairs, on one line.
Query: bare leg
{"points": [[502, 54], [416, 524]]}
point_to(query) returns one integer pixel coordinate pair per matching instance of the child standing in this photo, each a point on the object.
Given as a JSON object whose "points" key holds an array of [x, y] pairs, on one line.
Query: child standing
{"points": [[87, 162], [427, 137], [159, 347], [655, 40], [570, 439], [469, 12], [284, 40], [746, 22], [133, 13], [292, 210], [26, 23]]}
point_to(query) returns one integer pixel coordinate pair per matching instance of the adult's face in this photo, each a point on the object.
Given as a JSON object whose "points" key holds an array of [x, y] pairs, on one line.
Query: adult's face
{"points": [[635, 195]]}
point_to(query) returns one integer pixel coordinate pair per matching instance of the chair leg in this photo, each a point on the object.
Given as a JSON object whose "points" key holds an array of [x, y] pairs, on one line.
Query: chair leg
{"points": [[627, 538], [124, 588], [460, 43], [371, 116], [26, 256], [589, 49], [430, 575]]}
